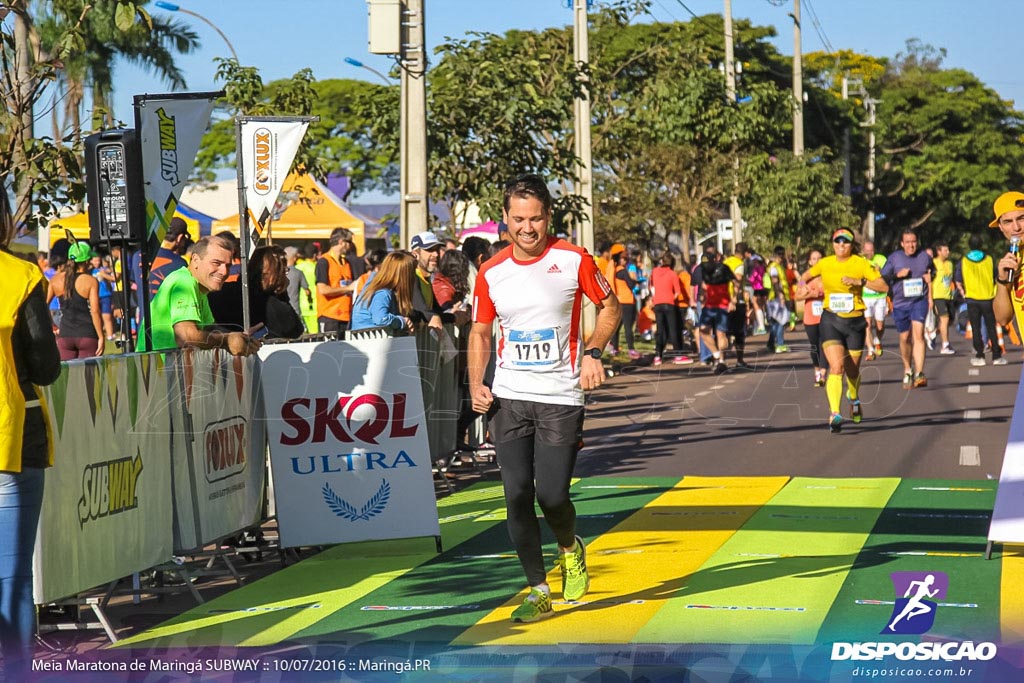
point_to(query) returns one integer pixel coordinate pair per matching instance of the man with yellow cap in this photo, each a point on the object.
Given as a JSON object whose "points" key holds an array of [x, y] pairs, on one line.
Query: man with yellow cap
{"points": [[1009, 218]]}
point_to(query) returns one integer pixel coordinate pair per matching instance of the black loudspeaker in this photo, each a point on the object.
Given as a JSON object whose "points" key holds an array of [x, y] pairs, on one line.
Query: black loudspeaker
{"points": [[114, 186]]}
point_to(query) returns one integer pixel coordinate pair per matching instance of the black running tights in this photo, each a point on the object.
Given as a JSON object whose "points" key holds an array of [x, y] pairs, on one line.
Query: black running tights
{"points": [[534, 469]]}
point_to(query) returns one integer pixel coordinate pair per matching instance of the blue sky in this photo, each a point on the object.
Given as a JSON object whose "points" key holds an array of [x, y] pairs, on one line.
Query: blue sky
{"points": [[282, 37]]}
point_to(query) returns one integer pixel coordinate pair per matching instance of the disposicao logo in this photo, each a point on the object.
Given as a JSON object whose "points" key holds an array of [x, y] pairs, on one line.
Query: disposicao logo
{"points": [[913, 613]]}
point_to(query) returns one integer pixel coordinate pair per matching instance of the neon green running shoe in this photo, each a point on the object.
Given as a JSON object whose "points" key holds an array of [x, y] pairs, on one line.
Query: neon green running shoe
{"points": [[575, 579], [535, 607], [855, 411]]}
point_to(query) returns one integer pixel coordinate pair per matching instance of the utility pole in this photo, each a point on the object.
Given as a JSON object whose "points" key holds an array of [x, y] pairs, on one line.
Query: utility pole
{"points": [[581, 111], [798, 84], [730, 94], [847, 184], [870, 125], [413, 121]]}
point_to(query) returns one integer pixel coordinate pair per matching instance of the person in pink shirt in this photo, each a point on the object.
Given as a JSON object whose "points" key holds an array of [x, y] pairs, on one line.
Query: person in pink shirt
{"points": [[665, 291]]}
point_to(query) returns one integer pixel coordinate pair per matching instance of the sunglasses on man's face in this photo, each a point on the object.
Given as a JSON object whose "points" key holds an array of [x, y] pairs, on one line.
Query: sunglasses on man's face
{"points": [[841, 240]]}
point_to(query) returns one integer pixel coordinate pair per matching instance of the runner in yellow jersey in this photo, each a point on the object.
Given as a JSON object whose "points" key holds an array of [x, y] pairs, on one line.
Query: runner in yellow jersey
{"points": [[844, 277]]}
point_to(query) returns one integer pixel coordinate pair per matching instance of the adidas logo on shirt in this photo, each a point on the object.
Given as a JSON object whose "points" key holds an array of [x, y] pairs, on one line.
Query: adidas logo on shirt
{"points": [[554, 268]]}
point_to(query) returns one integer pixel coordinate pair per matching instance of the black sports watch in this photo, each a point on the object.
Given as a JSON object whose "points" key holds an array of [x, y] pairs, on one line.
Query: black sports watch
{"points": [[593, 353]]}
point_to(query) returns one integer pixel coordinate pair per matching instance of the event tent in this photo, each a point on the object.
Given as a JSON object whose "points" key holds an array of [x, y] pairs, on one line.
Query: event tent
{"points": [[313, 211], [78, 224]]}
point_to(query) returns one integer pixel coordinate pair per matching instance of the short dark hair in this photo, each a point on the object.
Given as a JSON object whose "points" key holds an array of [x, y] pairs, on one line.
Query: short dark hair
{"points": [[474, 247], [780, 251], [742, 248], [310, 251], [528, 185], [339, 235], [604, 246], [975, 242], [908, 231], [667, 260], [374, 257]]}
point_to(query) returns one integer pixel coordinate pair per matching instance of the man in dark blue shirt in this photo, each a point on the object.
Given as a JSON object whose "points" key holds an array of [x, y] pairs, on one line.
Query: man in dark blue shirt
{"points": [[909, 274], [169, 259]]}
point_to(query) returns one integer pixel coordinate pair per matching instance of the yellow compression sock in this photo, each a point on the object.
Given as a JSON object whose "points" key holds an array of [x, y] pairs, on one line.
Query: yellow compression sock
{"points": [[853, 388], [834, 391]]}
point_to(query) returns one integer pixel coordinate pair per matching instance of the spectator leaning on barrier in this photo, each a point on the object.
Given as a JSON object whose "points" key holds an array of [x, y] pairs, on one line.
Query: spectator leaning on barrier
{"points": [[268, 294], [386, 300], [535, 290], [28, 357], [1009, 300], [180, 310], [334, 277], [426, 248]]}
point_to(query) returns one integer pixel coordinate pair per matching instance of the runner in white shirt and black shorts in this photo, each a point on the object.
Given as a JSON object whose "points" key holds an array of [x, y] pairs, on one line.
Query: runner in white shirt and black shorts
{"points": [[534, 289]]}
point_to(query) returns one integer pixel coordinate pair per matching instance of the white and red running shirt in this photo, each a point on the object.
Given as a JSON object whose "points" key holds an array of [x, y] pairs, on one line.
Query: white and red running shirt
{"points": [[537, 304]]}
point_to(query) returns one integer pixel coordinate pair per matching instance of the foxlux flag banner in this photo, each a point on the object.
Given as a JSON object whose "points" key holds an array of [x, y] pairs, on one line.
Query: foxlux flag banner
{"points": [[348, 442], [267, 149], [171, 128]]}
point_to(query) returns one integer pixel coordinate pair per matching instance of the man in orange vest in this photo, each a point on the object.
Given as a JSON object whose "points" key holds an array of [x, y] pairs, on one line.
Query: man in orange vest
{"points": [[334, 284]]}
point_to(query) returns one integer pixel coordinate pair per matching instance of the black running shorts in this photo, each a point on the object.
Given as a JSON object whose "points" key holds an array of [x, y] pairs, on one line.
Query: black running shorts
{"points": [[847, 331]]}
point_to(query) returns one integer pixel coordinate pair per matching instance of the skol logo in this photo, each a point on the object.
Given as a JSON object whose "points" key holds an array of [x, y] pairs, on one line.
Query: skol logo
{"points": [[311, 419], [168, 148], [264, 156], [109, 488], [225, 448], [914, 612]]}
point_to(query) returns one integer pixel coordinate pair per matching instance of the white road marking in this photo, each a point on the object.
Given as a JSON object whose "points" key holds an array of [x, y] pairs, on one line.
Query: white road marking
{"points": [[970, 456], [702, 393], [972, 415], [973, 388], [973, 372]]}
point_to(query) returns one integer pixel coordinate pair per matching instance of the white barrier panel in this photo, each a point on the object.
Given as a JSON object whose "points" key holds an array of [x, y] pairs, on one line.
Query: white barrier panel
{"points": [[348, 442], [107, 503], [1008, 513], [218, 474]]}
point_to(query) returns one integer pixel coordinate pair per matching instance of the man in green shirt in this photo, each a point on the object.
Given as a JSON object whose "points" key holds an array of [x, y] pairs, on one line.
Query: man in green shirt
{"points": [[180, 310]]}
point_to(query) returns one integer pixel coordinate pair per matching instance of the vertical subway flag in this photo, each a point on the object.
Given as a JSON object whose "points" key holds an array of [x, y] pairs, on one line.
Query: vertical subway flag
{"points": [[267, 149], [172, 127]]}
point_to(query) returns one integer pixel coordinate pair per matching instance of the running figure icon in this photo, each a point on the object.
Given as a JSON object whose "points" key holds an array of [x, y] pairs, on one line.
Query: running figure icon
{"points": [[916, 606]]}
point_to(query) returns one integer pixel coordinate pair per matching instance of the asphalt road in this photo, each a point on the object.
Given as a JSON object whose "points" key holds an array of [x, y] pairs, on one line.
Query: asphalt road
{"points": [[683, 420]]}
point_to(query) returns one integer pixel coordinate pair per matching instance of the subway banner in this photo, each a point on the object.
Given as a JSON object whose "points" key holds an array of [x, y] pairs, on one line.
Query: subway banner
{"points": [[348, 441], [171, 128], [219, 473], [267, 147], [107, 504]]}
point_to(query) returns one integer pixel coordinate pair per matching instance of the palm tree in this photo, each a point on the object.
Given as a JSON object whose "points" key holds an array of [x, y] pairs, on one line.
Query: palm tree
{"points": [[152, 46]]}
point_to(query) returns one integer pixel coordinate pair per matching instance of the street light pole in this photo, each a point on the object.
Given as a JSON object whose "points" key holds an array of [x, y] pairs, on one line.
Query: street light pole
{"points": [[357, 63], [171, 7]]}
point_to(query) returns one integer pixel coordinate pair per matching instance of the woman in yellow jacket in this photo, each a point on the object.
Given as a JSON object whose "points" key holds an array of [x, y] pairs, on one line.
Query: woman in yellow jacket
{"points": [[28, 357]]}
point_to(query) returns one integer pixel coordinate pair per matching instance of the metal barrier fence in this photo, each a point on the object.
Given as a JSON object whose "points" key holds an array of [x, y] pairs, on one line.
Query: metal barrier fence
{"points": [[158, 455]]}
